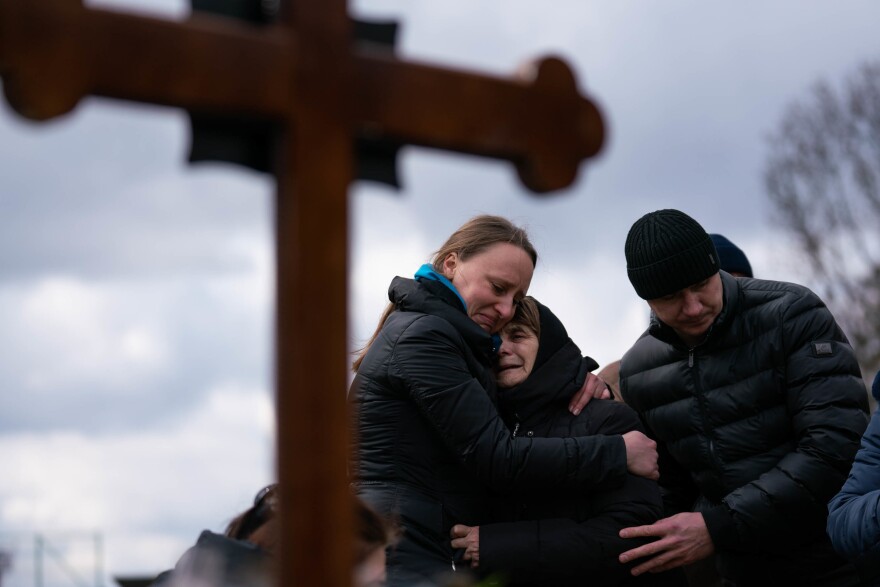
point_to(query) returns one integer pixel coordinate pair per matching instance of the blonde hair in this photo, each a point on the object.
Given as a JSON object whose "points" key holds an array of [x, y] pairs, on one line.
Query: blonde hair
{"points": [[472, 238]]}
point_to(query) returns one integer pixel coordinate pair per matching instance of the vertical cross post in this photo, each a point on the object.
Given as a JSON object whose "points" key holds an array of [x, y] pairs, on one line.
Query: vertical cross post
{"points": [[311, 325]]}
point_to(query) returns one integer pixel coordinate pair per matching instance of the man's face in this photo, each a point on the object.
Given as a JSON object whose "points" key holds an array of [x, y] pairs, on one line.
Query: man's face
{"points": [[692, 310]]}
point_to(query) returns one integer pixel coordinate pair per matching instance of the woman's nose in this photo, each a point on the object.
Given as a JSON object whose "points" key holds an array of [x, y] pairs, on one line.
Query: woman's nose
{"points": [[505, 308]]}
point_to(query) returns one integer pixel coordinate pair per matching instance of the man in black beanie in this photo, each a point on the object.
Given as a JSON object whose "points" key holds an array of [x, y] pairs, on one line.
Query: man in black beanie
{"points": [[757, 403]]}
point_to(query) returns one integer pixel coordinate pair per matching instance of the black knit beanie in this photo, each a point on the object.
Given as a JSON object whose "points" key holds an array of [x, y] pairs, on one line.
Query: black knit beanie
{"points": [[553, 335], [666, 251]]}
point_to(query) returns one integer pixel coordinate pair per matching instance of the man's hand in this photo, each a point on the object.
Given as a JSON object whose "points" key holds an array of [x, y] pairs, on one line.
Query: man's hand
{"points": [[641, 455], [468, 538], [593, 388], [684, 539]]}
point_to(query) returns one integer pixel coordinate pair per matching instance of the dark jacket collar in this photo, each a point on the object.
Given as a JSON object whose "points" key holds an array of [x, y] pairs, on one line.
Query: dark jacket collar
{"points": [[434, 298]]}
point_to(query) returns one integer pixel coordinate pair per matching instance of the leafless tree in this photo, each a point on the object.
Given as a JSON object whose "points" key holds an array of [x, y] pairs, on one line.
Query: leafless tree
{"points": [[822, 177]]}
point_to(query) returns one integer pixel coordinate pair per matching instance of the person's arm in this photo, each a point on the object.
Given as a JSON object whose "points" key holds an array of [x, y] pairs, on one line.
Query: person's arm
{"points": [[854, 513], [827, 404], [677, 486], [680, 539], [427, 363]]}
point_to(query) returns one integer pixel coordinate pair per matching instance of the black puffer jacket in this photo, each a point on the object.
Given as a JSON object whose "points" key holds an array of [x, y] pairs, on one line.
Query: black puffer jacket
{"points": [[757, 426], [430, 441], [558, 539]]}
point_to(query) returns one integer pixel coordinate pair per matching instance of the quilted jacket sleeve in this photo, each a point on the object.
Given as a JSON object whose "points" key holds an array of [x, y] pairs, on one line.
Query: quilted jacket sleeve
{"points": [[676, 484], [854, 513], [428, 363]]}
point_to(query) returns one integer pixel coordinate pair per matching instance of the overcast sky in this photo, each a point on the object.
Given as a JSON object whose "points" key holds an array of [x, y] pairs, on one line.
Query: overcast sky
{"points": [[136, 291]]}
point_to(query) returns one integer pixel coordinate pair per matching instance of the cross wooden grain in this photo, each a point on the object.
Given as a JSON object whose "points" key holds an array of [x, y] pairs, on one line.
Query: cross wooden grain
{"points": [[304, 73]]}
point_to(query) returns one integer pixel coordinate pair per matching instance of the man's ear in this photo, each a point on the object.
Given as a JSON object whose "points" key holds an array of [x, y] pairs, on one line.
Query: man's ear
{"points": [[450, 263]]}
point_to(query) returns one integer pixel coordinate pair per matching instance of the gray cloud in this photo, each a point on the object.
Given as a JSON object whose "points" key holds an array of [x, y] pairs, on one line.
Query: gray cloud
{"points": [[134, 287], [105, 192]]}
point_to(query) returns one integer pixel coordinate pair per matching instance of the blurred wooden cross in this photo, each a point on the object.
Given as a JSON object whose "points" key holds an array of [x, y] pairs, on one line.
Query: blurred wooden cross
{"points": [[305, 76]]}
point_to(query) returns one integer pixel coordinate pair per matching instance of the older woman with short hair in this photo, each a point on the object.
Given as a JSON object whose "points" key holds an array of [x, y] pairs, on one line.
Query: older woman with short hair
{"points": [[558, 538]]}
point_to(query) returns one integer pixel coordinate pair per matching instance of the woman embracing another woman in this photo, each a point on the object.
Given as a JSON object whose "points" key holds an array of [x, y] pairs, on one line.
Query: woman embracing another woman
{"points": [[430, 447]]}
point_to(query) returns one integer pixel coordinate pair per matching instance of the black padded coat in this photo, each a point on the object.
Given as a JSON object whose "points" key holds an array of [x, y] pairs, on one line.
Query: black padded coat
{"points": [[757, 427], [429, 442], [558, 538]]}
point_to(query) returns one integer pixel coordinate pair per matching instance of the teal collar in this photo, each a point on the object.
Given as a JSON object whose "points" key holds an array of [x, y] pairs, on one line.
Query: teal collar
{"points": [[426, 271]]}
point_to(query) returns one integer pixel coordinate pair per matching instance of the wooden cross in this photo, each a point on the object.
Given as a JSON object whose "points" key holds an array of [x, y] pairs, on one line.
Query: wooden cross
{"points": [[305, 74]]}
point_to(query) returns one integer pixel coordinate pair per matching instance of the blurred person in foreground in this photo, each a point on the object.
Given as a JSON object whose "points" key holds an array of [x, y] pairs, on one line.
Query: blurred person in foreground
{"points": [[245, 553], [755, 398]]}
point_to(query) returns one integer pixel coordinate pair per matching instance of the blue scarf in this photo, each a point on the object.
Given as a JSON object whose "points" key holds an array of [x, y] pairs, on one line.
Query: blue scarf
{"points": [[426, 271]]}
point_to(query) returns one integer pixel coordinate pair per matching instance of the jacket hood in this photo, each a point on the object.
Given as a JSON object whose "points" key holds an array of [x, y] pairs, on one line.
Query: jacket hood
{"points": [[553, 335]]}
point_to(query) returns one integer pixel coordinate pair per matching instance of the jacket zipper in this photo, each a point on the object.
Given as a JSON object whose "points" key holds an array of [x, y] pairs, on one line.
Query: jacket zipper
{"points": [[704, 411]]}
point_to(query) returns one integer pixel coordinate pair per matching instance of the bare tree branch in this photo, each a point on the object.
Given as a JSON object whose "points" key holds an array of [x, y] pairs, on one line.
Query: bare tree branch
{"points": [[822, 177]]}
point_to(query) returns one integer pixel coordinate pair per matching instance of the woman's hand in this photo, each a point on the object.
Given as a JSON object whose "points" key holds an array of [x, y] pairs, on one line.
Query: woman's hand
{"points": [[593, 388], [468, 538]]}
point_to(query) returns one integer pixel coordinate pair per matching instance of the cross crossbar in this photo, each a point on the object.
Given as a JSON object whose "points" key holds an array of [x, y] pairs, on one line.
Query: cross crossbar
{"points": [[538, 120], [305, 74]]}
